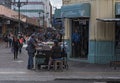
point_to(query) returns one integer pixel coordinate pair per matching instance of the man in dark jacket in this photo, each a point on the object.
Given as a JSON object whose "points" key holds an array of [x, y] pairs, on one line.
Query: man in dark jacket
{"points": [[31, 50]]}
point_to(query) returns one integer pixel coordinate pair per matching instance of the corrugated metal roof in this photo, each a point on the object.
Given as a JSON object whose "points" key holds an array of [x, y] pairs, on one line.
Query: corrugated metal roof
{"points": [[109, 19]]}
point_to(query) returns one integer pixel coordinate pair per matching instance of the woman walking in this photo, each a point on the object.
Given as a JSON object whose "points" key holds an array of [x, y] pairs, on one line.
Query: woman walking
{"points": [[21, 40], [15, 45]]}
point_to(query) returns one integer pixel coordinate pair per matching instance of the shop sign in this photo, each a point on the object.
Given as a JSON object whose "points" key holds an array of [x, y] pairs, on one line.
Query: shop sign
{"points": [[77, 10]]}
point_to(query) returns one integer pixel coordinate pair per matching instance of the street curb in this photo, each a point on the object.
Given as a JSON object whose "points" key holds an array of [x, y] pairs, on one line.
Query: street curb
{"points": [[95, 79]]}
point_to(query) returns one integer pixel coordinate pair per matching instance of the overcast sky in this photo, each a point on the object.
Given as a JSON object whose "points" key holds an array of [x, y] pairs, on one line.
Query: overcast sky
{"points": [[56, 3]]}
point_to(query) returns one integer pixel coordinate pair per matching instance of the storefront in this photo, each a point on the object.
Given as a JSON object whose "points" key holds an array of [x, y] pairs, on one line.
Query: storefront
{"points": [[77, 35], [97, 38], [9, 22]]}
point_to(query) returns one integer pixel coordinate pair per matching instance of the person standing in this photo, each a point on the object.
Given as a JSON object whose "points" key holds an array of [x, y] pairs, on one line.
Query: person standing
{"points": [[76, 44], [21, 40], [31, 45], [5, 38], [10, 39], [15, 46]]}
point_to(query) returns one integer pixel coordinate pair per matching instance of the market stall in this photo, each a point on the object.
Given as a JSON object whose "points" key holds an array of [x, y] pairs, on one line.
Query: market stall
{"points": [[43, 52]]}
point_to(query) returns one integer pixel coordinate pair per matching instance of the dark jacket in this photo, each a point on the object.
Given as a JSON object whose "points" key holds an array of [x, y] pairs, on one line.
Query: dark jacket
{"points": [[31, 46], [56, 52], [15, 44]]}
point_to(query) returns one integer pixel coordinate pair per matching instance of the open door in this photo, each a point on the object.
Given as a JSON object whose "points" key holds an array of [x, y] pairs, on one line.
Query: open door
{"points": [[80, 44]]}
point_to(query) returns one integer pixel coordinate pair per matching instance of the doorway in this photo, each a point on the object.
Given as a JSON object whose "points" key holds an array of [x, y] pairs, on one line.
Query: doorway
{"points": [[79, 38], [117, 40]]}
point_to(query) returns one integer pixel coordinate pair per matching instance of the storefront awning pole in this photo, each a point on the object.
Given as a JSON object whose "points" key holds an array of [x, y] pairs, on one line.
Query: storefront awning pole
{"points": [[19, 29]]}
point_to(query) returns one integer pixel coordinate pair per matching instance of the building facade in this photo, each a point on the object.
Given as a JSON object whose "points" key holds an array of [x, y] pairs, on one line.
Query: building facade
{"points": [[57, 21], [9, 22], [6, 3], [97, 37], [38, 9]]}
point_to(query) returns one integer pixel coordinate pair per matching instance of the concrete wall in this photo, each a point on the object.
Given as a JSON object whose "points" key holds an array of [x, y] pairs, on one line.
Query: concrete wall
{"points": [[101, 34], [100, 30]]}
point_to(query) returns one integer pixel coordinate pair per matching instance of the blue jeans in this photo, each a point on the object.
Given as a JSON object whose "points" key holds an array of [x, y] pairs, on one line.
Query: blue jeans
{"points": [[30, 60]]}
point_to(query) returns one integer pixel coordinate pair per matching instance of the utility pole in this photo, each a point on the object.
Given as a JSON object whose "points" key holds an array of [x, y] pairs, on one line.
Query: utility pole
{"points": [[43, 20], [19, 5], [39, 18]]}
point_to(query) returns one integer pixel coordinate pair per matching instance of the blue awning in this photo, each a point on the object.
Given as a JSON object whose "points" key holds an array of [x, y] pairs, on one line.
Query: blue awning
{"points": [[76, 10]]}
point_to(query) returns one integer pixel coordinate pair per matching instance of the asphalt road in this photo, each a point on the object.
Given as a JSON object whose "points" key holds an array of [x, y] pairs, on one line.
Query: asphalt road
{"points": [[55, 81], [60, 81], [15, 71]]}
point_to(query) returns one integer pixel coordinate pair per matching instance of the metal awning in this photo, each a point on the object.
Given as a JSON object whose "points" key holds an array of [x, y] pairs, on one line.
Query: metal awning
{"points": [[109, 19], [29, 21], [76, 10]]}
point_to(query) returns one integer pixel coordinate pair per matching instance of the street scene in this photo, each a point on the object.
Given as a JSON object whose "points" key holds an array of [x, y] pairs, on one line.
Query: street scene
{"points": [[15, 71], [54, 41]]}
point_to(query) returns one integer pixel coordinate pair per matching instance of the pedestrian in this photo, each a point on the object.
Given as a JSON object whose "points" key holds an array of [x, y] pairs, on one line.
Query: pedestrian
{"points": [[21, 40], [5, 38], [10, 39], [31, 45], [15, 46], [76, 44]]}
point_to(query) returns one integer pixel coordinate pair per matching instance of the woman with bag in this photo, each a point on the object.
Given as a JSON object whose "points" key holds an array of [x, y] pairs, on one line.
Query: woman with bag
{"points": [[15, 46]]}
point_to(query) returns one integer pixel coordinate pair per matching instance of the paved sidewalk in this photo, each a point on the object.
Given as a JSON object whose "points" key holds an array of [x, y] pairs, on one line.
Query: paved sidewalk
{"points": [[16, 70]]}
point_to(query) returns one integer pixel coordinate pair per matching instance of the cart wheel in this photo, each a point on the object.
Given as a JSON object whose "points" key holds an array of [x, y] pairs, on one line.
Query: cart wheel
{"points": [[67, 67]]}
